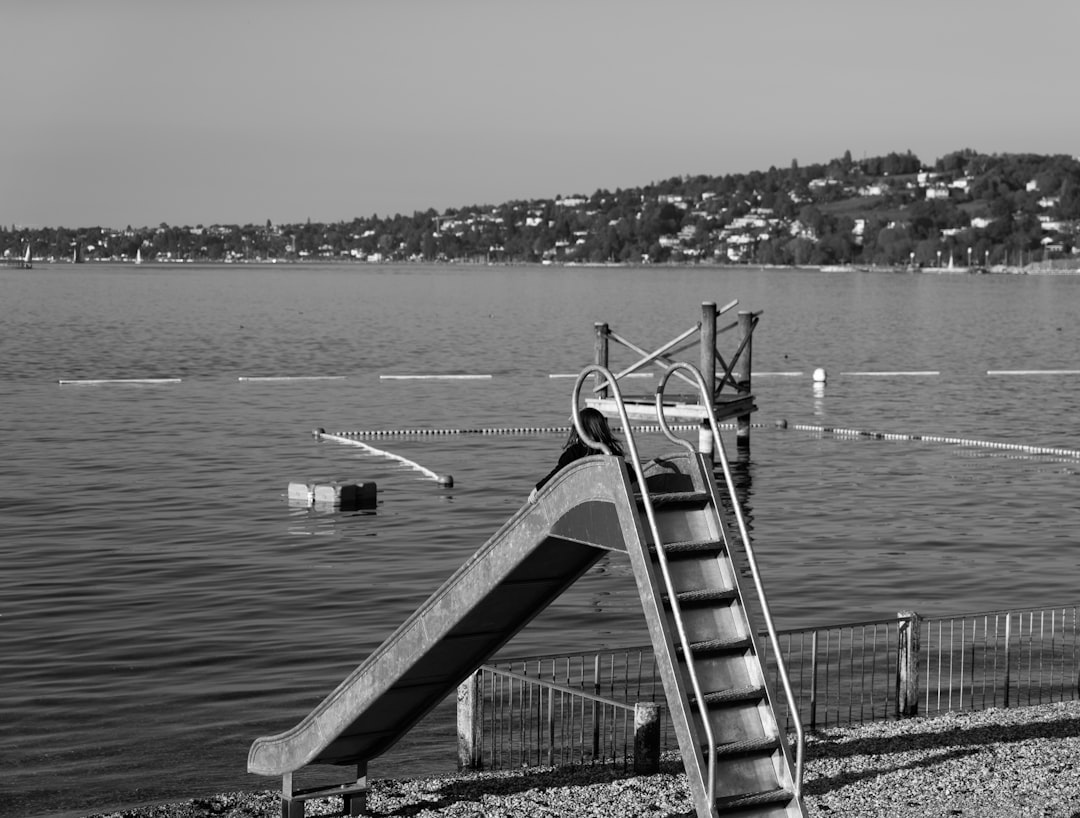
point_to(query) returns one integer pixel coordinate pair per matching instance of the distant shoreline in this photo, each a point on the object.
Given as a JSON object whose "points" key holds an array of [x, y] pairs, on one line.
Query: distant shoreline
{"points": [[1033, 269]]}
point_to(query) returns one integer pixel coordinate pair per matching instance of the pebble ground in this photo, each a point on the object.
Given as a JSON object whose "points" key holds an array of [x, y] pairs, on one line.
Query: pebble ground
{"points": [[1017, 763]]}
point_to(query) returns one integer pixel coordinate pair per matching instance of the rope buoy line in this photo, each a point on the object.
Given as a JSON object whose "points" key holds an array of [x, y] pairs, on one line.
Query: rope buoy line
{"points": [[952, 441], [445, 480], [521, 430]]}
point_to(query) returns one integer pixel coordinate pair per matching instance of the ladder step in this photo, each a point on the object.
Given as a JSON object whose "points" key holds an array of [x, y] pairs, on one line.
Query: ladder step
{"points": [[753, 799], [706, 596], [692, 547], [747, 747], [733, 645], [678, 498], [734, 695]]}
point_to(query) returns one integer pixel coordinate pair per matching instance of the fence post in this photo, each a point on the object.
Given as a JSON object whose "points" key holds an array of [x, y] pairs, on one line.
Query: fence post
{"points": [[596, 712], [1008, 656], [646, 738], [741, 374], [907, 664], [601, 354], [813, 680], [708, 347], [470, 724], [551, 727]]}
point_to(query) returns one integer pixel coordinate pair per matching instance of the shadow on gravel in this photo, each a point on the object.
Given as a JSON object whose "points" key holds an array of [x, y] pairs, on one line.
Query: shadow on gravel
{"points": [[509, 783], [933, 746]]}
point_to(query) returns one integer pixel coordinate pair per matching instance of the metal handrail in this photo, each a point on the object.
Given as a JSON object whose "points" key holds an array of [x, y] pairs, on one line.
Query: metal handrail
{"points": [[549, 685], [654, 530], [749, 549]]}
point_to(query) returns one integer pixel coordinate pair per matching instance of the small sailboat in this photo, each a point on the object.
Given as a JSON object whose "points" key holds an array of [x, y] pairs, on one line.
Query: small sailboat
{"points": [[138, 256], [19, 263]]}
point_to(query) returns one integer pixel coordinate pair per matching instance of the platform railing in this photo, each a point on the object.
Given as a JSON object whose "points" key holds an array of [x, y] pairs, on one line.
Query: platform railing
{"points": [[660, 357]]}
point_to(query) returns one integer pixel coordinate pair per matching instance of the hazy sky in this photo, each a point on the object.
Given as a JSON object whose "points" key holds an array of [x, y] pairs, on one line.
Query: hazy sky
{"points": [[138, 112]]}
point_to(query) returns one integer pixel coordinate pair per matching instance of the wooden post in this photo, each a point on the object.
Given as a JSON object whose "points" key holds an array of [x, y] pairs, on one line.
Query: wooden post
{"points": [[470, 726], [646, 738], [601, 354], [708, 347], [813, 680], [741, 374], [907, 664]]}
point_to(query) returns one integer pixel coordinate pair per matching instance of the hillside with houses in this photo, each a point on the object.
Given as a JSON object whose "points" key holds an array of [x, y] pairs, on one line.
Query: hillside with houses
{"points": [[965, 209]]}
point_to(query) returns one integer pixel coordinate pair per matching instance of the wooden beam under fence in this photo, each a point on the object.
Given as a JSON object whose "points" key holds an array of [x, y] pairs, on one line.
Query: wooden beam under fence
{"points": [[706, 328], [727, 376], [650, 357]]}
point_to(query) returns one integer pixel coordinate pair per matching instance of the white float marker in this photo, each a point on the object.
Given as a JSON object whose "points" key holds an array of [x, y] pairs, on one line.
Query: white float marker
{"points": [[102, 381], [291, 378], [434, 377]]}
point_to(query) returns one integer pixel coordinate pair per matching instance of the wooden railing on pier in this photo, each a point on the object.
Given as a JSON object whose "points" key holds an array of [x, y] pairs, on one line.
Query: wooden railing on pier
{"points": [[718, 372]]}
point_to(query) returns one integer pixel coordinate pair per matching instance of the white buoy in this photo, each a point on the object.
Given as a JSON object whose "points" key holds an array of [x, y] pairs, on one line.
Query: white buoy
{"points": [[705, 443], [820, 375]]}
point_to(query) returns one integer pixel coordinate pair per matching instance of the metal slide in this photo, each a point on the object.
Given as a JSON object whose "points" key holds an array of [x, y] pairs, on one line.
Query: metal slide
{"points": [[583, 511], [736, 757]]}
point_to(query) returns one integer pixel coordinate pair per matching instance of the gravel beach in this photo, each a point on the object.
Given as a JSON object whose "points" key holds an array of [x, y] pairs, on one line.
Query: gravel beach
{"points": [[993, 763]]}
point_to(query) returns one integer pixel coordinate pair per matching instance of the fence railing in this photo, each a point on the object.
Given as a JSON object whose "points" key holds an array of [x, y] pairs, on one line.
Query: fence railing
{"points": [[578, 708], [560, 709]]}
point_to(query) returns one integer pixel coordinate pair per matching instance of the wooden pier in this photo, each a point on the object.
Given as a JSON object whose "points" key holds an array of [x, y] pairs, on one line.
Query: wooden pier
{"points": [[737, 402]]}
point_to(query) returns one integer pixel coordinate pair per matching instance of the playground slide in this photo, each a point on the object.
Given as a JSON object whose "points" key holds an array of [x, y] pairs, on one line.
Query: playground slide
{"points": [[586, 509]]}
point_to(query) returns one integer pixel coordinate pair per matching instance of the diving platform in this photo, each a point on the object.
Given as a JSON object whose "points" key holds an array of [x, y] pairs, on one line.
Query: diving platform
{"points": [[643, 407], [726, 381]]}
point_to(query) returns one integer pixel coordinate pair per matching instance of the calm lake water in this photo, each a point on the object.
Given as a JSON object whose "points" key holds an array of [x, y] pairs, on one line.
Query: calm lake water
{"points": [[162, 604]]}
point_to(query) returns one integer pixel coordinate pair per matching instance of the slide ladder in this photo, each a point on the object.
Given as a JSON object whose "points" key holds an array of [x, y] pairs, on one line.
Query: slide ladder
{"points": [[687, 567]]}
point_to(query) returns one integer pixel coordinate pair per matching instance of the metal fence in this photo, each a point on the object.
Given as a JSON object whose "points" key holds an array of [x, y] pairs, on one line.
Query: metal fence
{"points": [[578, 708], [1001, 659], [564, 709]]}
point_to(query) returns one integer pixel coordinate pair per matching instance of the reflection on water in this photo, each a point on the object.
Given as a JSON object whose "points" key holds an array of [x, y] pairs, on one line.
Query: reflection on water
{"points": [[740, 467]]}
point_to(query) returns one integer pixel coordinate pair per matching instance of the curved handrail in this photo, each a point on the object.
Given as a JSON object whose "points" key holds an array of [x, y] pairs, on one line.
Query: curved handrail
{"points": [[654, 530], [718, 445]]}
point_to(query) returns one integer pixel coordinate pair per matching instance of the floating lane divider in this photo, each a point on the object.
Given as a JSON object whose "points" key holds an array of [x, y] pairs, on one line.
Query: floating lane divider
{"points": [[893, 374], [575, 374], [1033, 372], [952, 441], [100, 381], [445, 480], [291, 378], [521, 430], [434, 377]]}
